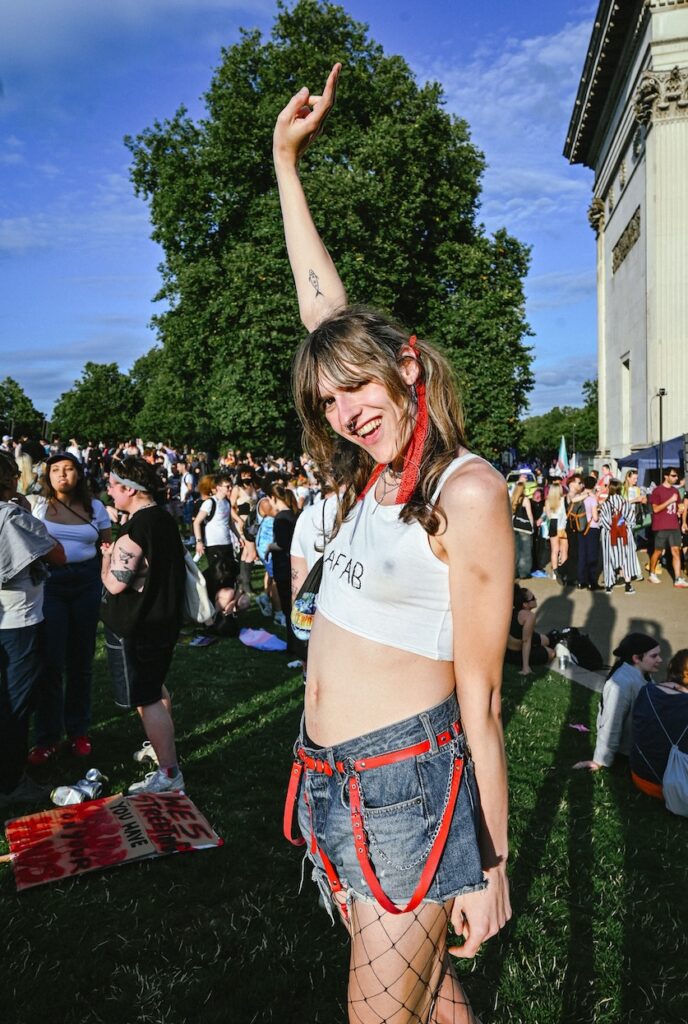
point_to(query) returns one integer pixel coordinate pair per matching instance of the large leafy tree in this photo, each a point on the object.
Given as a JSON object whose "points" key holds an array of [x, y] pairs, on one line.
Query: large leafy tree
{"points": [[541, 434], [17, 411], [102, 404], [394, 184]]}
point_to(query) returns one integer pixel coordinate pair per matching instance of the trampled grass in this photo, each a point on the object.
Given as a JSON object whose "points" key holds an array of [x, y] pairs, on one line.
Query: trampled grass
{"points": [[597, 870]]}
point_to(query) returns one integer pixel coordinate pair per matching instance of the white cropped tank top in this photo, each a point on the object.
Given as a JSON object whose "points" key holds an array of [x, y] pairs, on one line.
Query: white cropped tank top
{"points": [[382, 581]]}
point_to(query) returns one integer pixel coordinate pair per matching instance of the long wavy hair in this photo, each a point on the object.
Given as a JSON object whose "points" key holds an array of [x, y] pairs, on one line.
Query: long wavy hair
{"points": [[357, 345]]}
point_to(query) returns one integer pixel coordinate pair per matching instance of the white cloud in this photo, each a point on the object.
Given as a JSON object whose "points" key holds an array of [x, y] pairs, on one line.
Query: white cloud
{"points": [[517, 101], [19, 235], [560, 383], [105, 215], [39, 33], [560, 288]]}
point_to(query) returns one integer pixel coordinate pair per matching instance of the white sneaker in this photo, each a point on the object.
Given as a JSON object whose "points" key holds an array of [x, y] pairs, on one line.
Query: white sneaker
{"points": [[146, 753], [158, 782], [653, 578], [680, 581], [279, 618]]}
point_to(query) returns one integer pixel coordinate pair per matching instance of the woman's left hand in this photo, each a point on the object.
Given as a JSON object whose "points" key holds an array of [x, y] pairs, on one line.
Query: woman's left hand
{"points": [[478, 916], [303, 119]]}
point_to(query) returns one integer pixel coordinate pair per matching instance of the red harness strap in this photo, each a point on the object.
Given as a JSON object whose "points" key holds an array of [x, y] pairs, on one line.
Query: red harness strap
{"points": [[358, 828]]}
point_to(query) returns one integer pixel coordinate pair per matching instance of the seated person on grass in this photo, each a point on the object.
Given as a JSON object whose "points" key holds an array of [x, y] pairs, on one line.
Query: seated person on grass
{"points": [[637, 658], [524, 646], [660, 719]]}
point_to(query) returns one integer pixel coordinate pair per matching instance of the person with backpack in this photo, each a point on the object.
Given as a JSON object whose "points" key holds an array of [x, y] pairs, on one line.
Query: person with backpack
{"points": [[213, 525], [638, 657], [660, 726], [619, 555]]}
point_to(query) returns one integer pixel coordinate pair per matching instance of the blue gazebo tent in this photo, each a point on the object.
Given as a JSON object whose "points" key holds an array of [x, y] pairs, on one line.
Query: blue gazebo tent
{"points": [[647, 459]]}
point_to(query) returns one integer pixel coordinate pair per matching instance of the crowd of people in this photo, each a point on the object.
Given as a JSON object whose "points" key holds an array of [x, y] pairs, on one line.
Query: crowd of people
{"points": [[404, 824], [578, 527]]}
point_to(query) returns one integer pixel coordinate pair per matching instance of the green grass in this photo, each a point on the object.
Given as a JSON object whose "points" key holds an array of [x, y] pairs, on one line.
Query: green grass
{"points": [[598, 879]]}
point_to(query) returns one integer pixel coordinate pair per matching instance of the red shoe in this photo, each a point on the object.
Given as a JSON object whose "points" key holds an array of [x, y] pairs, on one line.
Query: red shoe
{"points": [[80, 746], [41, 755]]}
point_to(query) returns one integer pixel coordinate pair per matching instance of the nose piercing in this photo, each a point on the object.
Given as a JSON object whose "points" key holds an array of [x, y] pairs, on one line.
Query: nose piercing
{"points": [[350, 425]]}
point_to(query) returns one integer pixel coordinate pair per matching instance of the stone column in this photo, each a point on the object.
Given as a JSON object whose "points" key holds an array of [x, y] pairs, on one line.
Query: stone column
{"points": [[596, 218], [661, 106]]}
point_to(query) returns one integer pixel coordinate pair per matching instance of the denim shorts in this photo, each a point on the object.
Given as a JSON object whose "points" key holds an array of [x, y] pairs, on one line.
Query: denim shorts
{"points": [[403, 804], [138, 668]]}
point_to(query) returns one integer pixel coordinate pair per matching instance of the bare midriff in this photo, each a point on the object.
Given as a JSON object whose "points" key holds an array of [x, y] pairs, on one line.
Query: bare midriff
{"points": [[356, 685]]}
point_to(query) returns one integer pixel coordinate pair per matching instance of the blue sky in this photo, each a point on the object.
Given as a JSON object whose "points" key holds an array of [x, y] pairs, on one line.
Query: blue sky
{"points": [[77, 268]]}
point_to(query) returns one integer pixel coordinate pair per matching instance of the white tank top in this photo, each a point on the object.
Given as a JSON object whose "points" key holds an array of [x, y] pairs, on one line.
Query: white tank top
{"points": [[382, 581]]}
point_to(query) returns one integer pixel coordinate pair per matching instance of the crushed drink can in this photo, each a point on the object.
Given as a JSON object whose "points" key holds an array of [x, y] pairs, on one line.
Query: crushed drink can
{"points": [[88, 788]]}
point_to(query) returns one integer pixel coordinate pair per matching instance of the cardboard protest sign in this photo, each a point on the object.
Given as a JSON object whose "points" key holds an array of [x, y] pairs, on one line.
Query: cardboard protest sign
{"points": [[72, 840]]}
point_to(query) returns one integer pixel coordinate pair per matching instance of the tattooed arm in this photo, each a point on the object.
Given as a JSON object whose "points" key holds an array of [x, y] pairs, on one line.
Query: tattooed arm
{"points": [[299, 571], [123, 566], [318, 285]]}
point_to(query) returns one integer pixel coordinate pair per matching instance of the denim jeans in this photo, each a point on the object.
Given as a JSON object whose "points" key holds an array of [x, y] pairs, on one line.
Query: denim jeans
{"points": [[20, 667], [71, 608], [524, 554], [588, 553]]}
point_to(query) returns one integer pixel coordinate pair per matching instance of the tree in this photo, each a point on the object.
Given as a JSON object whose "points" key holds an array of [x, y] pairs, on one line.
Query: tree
{"points": [[541, 434], [102, 404], [395, 187], [17, 411]]}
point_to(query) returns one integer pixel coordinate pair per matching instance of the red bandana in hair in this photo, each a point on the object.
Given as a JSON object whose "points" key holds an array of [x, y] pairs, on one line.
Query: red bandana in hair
{"points": [[414, 452]]}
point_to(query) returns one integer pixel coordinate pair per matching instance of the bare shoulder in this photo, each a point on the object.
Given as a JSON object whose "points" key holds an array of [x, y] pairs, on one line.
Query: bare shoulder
{"points": [[475, 482]]}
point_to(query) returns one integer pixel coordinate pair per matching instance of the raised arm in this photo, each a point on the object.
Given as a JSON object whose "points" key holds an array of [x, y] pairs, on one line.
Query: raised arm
{"points": [[318, 286]]}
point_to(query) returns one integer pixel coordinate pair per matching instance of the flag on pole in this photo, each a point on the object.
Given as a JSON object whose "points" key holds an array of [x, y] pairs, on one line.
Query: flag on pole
{"points": [[563, 459]]}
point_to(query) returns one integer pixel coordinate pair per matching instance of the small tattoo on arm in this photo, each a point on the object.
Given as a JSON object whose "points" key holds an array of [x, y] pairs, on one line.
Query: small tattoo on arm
{"points": [[314, 281]]}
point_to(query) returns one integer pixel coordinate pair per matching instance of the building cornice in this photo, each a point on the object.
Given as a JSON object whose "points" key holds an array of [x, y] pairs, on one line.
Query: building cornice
{"points": [[615, 23]]}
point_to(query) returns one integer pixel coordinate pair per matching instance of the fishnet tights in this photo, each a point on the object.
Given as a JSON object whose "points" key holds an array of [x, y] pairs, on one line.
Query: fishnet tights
{"points": [[400, 971]]}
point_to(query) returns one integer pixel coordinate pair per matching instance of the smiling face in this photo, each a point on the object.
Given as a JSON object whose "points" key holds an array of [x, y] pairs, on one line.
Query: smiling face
{"points": [[63, 476], [367, 414]]}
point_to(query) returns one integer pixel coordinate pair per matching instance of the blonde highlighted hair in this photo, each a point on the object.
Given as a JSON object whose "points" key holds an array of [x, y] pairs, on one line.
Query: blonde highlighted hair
{"points": [[350, 348]]}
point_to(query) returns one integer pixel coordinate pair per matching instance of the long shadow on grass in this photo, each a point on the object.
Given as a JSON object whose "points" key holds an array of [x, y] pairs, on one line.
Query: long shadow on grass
{"points": [[580, 963], [536, 836]]}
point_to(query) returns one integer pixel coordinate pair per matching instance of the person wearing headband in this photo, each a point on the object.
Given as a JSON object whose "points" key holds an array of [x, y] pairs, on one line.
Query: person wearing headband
{"points": [[143, 580], [637, 657], [405, 830]]}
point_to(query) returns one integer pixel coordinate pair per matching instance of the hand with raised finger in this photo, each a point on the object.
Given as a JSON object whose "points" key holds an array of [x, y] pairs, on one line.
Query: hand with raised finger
{"points": [[303, 119]]}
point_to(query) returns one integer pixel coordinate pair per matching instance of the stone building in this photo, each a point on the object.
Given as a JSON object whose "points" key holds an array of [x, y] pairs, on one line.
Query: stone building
{"points": [[630, 126]]}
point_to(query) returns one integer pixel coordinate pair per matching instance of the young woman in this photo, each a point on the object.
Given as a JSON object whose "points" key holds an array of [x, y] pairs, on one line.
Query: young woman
{"points": [[243, 499], [71, 608], [524, 527], [525, 646], [555, 514], [619, 556], [660, 719], [637, 657], [285, 511], [408, 620]]}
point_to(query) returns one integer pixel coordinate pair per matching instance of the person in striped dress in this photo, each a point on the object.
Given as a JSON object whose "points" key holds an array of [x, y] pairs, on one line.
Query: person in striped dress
{"points": [[619, 555]]}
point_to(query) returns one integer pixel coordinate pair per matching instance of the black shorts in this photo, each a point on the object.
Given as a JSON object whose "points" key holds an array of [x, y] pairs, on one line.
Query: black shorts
{"points": [[538, 654], [138, 668]]}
